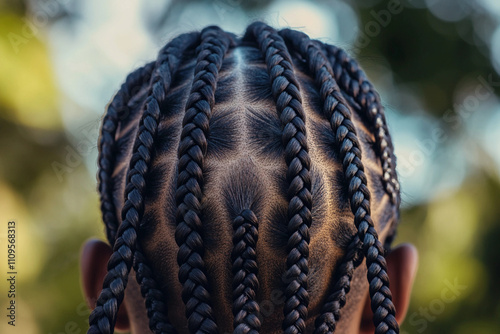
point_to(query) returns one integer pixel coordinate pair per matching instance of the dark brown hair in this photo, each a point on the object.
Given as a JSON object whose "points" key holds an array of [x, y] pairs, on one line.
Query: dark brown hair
{"points": [[336, 87]]}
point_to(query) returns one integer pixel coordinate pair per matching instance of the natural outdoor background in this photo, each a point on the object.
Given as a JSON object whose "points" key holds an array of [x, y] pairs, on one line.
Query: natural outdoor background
{"points": [[436, 64]]}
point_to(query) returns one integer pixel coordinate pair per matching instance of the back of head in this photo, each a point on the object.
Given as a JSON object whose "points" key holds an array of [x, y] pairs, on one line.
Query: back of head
{"points": [[244, 179]]}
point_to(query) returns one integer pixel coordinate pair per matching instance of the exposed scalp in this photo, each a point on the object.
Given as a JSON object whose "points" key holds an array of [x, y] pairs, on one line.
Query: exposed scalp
{"points": [[246, 171]]}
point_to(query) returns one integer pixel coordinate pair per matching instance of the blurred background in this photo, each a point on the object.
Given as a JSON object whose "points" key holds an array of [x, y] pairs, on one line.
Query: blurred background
{"points": [[436, 64]]}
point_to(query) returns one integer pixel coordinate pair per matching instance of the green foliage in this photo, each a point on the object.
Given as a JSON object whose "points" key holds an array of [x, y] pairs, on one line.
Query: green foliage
{"points": [[457, 233]]}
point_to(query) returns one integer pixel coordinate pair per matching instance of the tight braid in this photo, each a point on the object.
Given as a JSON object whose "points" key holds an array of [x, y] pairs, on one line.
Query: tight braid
{"points": [[103, 317], [155, 300], [286, 93], [245, 283], [339, 115], [352, 79], [191, 153], [326, 322], [117, 109], [330, 313], [169, 60]]}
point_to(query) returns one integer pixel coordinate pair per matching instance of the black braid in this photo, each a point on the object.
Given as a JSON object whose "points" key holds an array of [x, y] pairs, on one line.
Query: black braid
{"points": [[286, 93], [352, 79], [326, 322], [155, 299], [191, 153], [245, 283], [117, 109], [339, 116], [103, 317]]}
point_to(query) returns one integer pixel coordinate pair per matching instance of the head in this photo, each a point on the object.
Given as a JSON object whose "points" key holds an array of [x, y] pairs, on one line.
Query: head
{"points": [[247, 185]]}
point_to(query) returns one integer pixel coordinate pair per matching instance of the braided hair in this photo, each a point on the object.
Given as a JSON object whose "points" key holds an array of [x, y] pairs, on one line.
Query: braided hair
{"points": [[338, 113], [240, 194], [289, 106], [192, 150]]}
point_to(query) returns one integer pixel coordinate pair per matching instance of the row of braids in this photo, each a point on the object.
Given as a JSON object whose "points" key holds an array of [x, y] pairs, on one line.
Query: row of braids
{"points": [[285, 89], [328, 65], [326, 322], [246, 310], [353, 80], [191, 153], [126, 250], [339, 115], [169, 62], [116, 111]]}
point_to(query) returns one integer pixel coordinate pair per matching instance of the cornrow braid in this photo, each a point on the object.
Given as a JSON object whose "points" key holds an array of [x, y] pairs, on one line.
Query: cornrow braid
{"points": [[352, 79], [116, 110], [246, 310], [330, 312], [169, 60], [103, 317], [286, 93], [326, 322], [191, 153], [339, 115], [155, 300]]}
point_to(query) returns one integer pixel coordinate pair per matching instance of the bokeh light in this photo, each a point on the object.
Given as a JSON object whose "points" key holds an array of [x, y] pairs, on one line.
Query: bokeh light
{"points": [[436, 64]]}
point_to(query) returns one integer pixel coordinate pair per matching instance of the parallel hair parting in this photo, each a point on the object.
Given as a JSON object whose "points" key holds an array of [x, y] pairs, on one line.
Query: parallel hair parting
{"points": [[332, 71]]}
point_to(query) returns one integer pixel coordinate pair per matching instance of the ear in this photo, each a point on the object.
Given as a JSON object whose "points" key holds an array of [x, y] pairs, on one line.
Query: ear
{"points": [[402, 264], [94, 263]]}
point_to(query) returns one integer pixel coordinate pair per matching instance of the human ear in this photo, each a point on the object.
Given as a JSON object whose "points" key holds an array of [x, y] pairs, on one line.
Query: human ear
{"points": [[93, 264], [402, 263]]}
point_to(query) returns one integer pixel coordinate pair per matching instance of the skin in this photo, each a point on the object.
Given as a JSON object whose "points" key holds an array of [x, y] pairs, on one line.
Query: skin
{"points": [[401, 262]]}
